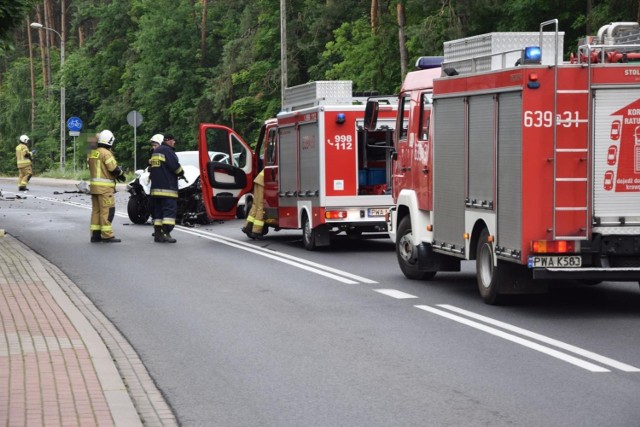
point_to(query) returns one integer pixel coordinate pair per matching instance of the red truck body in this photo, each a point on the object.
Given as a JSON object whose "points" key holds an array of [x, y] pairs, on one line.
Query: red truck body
{"points": [[531, 170]]}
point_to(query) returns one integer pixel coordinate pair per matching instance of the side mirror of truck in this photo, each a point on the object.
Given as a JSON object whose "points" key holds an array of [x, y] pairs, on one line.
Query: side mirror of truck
{"points": [[371, 115]]}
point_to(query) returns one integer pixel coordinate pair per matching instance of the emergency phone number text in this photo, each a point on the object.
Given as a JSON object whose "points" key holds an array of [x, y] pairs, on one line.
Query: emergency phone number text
{"points": [[539, 118], [342, 142]]}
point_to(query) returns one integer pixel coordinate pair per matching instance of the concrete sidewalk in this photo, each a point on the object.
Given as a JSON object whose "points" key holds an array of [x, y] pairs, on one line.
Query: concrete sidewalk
{"points": [[61, 361]]}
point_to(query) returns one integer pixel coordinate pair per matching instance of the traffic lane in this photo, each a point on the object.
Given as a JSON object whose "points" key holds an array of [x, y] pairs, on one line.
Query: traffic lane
{"points": [[602, 318], [302, 352], [392, 348], [506, 355]]}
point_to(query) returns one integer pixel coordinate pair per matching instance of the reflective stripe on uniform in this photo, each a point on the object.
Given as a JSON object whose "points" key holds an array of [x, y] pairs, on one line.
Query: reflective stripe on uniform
{"points": [[163, 192]]}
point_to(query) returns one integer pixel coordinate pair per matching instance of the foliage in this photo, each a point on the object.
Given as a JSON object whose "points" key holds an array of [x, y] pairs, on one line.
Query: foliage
{"points": [[149, 56]]}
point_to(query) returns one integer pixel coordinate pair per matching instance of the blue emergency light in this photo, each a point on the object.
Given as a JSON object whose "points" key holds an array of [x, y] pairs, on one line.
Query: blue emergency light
{"points": [[531, 55], [428, 62]]}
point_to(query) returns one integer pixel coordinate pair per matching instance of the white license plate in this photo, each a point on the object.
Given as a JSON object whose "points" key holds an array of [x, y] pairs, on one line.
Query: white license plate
{"points": [[376, 212], [566, 261]]}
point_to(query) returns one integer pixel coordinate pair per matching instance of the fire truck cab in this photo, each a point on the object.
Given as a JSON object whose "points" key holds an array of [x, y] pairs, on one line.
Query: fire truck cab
{"points": [[503, 155]]}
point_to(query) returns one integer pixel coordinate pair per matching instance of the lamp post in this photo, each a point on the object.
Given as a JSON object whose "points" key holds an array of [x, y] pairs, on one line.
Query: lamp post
{"points": [[63, 148]]}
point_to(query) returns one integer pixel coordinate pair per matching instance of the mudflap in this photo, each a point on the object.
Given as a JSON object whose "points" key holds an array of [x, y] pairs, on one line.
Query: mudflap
{"points": [[520, 280], [428, 260], [322, 235]]}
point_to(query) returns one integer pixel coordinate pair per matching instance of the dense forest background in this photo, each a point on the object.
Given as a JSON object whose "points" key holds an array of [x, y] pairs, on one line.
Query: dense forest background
{"points": [[184, 62]]}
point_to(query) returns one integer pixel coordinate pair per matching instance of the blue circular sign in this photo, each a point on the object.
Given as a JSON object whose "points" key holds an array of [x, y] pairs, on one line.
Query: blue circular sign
{"points": [[74, 124]]}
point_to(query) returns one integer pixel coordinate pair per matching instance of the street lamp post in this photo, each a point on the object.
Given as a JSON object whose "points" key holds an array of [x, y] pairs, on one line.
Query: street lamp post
{"points": [[63, 147]]}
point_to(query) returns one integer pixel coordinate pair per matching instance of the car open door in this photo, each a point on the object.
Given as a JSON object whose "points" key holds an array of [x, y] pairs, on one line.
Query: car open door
{"points": [[227, 167]]}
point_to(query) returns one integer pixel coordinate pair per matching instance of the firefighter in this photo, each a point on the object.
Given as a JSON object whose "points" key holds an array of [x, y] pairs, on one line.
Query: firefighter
{"points": [[154, 141], [23, 157], [254, 226], [104, 171], [165, 170]]}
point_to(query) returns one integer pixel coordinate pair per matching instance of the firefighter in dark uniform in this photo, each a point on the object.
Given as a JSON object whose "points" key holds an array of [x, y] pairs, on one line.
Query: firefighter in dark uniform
{"points": [[254, 226], [104, 171], [23, 157], [165, 170]]}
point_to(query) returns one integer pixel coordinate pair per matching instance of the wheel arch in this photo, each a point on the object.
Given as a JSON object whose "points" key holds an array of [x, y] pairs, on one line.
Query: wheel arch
{"points": [[475, 235]]}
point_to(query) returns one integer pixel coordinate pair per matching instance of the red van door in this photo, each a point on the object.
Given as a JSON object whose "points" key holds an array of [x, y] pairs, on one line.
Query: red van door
{"points": [[227, 167]]}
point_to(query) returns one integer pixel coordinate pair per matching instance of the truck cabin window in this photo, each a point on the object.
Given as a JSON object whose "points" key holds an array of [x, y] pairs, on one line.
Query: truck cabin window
{"points": [[403, 116], [425, 116]]}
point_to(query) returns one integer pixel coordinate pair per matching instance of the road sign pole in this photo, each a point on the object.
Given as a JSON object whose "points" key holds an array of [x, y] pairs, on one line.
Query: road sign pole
{"points": [[74, 155], [135, 144], [134, 119]]}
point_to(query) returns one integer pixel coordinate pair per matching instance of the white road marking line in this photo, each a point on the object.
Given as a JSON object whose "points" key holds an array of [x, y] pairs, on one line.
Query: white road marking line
{"points": [[530, 344], [272, 255], [393, 293], [568, 347], [323, 270], [291, 257]]}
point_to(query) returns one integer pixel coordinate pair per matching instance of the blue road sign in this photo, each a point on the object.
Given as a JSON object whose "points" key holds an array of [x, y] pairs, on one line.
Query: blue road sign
{"points": [[74, 124]]}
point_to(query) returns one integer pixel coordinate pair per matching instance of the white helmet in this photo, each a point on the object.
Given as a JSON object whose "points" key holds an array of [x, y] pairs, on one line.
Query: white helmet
{"points": [[24, 139], [157, 138], [106, 137]]}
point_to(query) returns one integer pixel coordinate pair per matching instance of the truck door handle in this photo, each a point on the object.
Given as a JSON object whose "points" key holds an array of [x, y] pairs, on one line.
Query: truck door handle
{"points": [[405, 169], [425, 171]]}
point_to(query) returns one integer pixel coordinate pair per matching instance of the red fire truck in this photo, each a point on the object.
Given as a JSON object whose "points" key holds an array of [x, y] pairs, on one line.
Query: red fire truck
{"points": [[323, 173], [530, 166]]}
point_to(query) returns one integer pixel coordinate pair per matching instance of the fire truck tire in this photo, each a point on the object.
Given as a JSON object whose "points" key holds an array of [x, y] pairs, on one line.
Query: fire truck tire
{"points": [[490, 278], [308, 235], [408, 254], [138, 209]]}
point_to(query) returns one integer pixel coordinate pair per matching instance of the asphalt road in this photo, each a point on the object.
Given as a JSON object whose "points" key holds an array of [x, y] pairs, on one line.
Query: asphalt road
{"points": [[243, 333]]}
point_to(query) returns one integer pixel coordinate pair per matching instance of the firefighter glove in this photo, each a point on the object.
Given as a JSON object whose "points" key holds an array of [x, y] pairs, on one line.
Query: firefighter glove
{"points": [[182, 177], [121, 177]]}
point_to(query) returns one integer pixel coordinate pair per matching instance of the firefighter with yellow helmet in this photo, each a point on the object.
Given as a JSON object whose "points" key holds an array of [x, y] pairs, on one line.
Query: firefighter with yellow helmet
{"points": [[104, 171], [23, 157]]}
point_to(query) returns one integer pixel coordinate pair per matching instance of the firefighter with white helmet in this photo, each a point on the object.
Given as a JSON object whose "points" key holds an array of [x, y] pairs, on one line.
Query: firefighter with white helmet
{"points": [[23, 157], [104, 171]]}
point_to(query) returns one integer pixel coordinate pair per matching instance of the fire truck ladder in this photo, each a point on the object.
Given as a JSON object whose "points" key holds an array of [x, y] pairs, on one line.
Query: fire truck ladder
{"points": [[559, 208]]}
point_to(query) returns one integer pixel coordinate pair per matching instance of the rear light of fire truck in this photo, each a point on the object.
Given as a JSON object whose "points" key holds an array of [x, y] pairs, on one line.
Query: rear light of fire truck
{"points": [[335, 214], [554, 246]]}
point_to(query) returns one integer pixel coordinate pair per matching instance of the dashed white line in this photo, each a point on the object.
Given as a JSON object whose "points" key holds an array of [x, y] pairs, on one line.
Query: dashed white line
{"points": [[393, 293]]}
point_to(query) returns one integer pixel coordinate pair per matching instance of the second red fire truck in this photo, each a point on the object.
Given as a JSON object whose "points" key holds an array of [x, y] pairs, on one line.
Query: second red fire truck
{"points": [[324, 173], [528, 165]]}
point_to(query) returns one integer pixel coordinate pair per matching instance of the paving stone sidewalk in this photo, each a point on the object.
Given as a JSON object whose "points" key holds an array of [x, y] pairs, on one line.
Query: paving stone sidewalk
{"points": [[61, 361]]}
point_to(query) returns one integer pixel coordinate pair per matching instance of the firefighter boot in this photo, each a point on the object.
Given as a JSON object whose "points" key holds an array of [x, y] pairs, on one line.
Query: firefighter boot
{"points": [[247, 229], [157, 233], [163, 236], [166, 230], [95, 236]]}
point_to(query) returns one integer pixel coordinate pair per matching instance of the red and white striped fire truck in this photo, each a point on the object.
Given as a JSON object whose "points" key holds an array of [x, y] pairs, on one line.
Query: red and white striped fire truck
{"points": [[529, 165], [323, 172]]}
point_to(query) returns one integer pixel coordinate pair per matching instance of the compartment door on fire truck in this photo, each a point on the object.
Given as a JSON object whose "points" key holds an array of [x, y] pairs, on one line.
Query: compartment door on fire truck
{"points": [[268, 147], [226, 169]]}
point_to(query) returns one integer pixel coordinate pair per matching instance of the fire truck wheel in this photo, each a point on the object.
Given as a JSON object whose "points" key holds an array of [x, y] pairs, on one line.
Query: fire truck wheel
{"points": [[308, 236], [489, 276], [408, 254]]}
